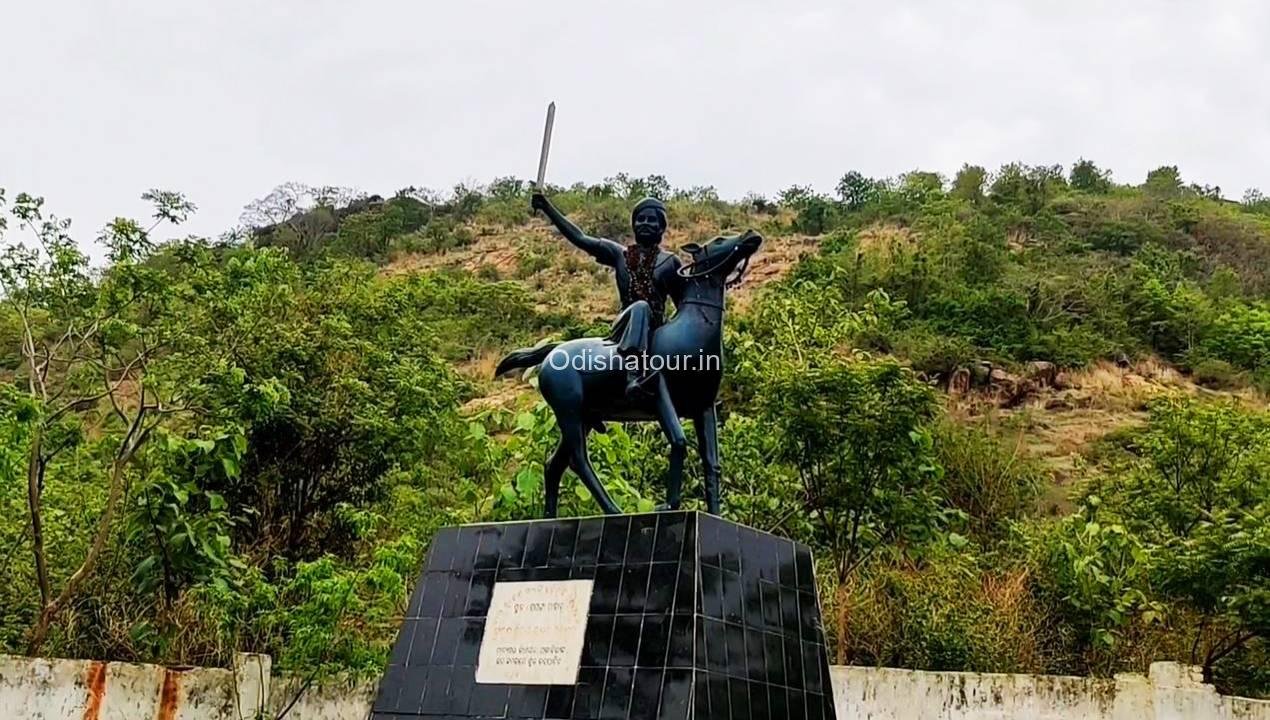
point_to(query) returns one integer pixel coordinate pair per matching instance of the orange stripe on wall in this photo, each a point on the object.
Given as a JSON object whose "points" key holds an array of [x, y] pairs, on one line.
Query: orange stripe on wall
{"points": [[96, 681], [167, 696]]}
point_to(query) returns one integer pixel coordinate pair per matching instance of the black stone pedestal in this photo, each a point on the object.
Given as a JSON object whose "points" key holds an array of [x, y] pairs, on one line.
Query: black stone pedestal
{"points": [[691, 616]]}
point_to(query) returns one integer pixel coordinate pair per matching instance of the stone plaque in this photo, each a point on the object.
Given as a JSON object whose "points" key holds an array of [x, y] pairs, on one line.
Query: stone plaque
{"points": [[533, 633]]}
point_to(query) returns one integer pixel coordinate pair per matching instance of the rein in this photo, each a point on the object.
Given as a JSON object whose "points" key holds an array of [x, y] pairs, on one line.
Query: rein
{"points": [[690, 272]]}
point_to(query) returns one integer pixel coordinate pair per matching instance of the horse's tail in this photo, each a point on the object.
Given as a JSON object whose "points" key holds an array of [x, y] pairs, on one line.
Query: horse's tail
{"points": [[525, 357]]}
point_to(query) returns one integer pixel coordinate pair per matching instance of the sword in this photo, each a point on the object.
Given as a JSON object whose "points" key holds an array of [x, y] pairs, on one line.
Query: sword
{"points": [[546, 145]]}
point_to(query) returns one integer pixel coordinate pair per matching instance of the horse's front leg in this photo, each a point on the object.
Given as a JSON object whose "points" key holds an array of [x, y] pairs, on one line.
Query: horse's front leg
{"points": [[669, 421], [708, 448]]}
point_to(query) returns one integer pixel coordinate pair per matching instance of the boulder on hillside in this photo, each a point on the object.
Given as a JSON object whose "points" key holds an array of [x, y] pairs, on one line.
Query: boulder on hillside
{"points": [[959, 382], [1041, 372], [980, 374]]}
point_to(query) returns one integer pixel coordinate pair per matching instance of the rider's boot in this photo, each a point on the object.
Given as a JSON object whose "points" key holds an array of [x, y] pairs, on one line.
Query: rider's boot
{"points": [[639, 382]]}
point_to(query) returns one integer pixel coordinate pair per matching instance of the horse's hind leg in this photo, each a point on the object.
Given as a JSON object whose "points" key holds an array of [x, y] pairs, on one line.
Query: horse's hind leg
{"points": [[573, 435], [551, 479], [670, 425]]}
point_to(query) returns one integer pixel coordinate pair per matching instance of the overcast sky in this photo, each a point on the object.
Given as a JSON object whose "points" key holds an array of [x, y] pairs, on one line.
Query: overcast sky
{"points": [[222, 100]]}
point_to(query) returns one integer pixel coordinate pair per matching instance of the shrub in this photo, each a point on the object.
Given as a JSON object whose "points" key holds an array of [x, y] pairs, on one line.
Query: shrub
{"points": [[1095, 576], [1164, 181], [934, 354], [321, 619], [1071, 346], [509, 211], [990, 316], [1170, 314], [439, 235], [1241, 335], [948, 612], [368, 234], [991, 480], [1123, 236], [1217, 374], [531, 263], [517, 445], [759, 492], [608, 217], [1027, 188]]}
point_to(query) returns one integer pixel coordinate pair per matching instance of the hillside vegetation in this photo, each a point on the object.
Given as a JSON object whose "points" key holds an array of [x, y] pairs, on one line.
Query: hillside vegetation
{"points": [[1020, 416]]}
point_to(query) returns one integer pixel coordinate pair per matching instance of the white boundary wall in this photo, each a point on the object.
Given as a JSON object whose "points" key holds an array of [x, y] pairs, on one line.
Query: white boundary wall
{"points": [[47, 689], [44, 689], [1170, 692]]}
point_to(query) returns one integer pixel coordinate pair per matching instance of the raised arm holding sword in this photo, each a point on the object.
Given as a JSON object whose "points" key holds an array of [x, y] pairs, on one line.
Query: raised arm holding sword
{"points": [[646, 275]]}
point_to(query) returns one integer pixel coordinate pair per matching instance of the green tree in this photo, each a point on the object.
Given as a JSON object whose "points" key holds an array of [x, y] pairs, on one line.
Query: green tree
{"points": [[920, 186], [1199, 497], [1088, 177], [858, 433], [185, 528], [1221, 570], [855, 190], [1164, 182], [1028, 188], [815, 212], [336, 378], [969, 183], [88, 353]]}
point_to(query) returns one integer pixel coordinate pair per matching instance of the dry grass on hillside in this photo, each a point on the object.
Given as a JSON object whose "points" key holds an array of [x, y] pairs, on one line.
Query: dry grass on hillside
{"points": [[559, 274], [1060, 426], [885, 240]]}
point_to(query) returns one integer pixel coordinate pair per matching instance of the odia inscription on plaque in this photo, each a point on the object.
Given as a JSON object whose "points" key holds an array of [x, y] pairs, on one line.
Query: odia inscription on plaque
{"points": [[533, 633]]}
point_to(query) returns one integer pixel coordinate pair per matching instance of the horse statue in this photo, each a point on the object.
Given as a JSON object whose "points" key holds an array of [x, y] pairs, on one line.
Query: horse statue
{"points": [[584, 380]]}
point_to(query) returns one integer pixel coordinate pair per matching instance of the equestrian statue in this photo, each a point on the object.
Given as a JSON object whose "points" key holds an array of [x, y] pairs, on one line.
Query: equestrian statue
{"points": [[648, 368]]}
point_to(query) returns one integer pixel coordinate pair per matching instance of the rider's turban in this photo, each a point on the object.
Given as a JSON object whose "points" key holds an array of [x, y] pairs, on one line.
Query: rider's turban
{"points": [[650, 202]]}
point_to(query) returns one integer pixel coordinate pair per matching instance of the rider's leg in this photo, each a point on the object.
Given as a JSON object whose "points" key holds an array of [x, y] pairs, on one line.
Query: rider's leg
{"points": [[633, 343], [629, 339]]}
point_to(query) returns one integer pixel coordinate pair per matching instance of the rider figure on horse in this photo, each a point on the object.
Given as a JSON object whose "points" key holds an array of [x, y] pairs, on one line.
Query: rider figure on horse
{"points": [[646, 275]]}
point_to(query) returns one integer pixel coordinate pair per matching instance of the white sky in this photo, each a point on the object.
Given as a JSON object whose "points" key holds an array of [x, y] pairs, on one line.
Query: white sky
{"points": [[101, 100]]}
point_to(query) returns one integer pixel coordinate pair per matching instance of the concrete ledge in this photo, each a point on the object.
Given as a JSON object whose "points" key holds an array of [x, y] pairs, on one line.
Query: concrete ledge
{"points": [[49, 689], [1170, 691], [53, 689]]}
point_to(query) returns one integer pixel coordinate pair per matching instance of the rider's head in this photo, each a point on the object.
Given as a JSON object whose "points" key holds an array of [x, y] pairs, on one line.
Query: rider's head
{"points": [[648, 220]]}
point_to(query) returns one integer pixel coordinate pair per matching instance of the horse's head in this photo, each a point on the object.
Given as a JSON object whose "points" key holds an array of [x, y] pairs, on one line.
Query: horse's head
{"points": [[723, 260]]}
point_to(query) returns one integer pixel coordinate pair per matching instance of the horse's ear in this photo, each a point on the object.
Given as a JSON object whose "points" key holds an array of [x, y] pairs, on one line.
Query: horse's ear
{"points": [[691, 248]]}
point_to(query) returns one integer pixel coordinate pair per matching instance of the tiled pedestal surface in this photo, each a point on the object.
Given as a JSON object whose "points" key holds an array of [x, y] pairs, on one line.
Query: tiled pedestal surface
{"points": [[691, 616]]}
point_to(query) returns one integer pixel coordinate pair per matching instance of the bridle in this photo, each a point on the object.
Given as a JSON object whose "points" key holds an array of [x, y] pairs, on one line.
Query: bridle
{"points": [[690, 271]]}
